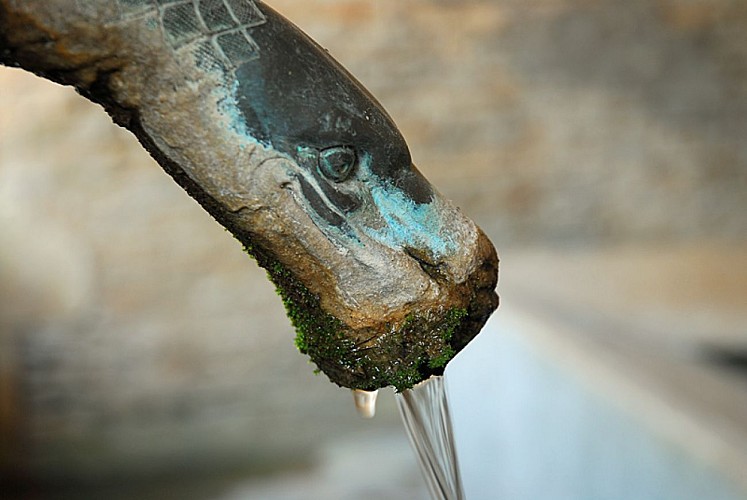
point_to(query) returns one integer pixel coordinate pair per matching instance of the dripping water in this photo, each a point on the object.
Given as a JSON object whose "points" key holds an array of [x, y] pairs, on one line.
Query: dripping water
{"points": [[365, 402], [425, 413]]}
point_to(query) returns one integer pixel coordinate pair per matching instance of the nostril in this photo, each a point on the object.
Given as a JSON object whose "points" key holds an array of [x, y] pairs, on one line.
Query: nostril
{"points": [[434, 269]]}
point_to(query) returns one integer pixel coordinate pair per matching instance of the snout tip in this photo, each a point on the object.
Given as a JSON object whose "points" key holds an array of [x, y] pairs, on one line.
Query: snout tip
{"points": [[481, 287]]}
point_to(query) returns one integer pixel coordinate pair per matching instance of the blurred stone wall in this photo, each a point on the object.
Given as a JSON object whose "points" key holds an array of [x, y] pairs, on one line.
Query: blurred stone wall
{"points": [[137, 338]]}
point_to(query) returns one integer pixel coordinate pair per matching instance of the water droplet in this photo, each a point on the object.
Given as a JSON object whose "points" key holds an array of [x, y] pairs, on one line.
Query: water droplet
{"points": [[365, 402]]}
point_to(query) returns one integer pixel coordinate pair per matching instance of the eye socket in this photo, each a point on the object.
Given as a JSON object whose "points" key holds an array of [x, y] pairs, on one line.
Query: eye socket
{"points": [[336, 163]]}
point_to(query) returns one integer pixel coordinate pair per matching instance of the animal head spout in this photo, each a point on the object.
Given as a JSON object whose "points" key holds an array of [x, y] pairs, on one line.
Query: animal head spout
{"points": [[397, 278], [384, 279]]}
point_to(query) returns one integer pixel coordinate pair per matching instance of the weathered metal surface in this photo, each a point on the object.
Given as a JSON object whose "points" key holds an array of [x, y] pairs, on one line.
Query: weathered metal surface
{"points": [[384, 279]]}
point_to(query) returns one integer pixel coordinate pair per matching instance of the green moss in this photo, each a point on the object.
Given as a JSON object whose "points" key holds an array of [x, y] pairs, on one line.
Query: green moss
{"points": [[442, 359], [453, 319], [405, 378], [318, 334], [420, 346]]}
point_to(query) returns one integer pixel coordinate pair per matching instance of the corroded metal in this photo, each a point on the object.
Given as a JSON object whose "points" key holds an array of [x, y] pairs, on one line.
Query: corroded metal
{"points": [[384, 279]]}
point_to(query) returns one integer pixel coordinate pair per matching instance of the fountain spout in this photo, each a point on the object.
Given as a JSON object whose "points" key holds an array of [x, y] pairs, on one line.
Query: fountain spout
{"points": [[383, 279]]}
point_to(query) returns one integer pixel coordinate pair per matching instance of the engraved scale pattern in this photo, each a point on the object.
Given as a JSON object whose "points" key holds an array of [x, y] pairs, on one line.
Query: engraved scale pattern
{"points": [[215, 32]]}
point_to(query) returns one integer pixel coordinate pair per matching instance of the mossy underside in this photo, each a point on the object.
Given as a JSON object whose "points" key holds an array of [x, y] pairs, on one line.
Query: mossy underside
{"points": [[400, 356]]}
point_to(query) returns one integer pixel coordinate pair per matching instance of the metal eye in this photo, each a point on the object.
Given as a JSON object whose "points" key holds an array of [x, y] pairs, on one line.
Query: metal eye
{"points": [[337, 163]]}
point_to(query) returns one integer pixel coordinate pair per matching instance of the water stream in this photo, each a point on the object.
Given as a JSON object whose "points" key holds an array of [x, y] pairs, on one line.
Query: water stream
{"points": [[425, 413]]}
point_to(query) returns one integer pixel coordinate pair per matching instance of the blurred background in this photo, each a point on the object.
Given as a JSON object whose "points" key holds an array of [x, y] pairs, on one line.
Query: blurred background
{"points": [[602, 145]]}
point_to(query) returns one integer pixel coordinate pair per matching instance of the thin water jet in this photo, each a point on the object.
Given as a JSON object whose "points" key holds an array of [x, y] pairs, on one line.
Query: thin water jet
{"points": [[425, 413]]}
